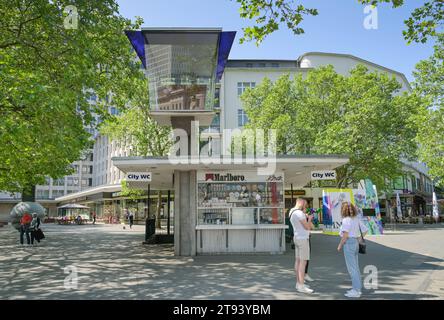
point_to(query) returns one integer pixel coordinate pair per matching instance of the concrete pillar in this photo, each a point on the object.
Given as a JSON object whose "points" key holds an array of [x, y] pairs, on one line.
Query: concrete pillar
{"points": [[185, 202]]}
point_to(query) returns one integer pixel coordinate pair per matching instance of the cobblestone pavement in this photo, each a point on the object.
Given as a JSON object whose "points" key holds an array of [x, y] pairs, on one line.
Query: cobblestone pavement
{"points": [[112, 263]]}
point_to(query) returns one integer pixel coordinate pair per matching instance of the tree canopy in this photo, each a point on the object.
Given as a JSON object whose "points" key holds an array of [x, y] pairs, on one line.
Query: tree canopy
{"points": [[48, 67], [429, 83], [268, 16], [363, 115]]}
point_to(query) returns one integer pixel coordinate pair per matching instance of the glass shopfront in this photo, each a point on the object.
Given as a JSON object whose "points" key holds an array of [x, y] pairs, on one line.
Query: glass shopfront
{"points": [[240, 202]]}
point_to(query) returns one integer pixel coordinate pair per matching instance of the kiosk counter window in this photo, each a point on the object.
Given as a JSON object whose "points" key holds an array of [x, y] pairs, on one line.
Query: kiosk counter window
{"points": [[239, 205]]}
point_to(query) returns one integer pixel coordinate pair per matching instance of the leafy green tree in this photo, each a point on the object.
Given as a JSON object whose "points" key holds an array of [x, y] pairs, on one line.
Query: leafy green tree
{"points": [[268, 15], [47, 65], [362, 115], [429, 82], [425, 22]]}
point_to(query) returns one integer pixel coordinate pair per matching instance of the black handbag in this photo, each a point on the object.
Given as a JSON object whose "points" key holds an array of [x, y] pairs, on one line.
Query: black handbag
{"points": [[39, 234], [362, 244]]}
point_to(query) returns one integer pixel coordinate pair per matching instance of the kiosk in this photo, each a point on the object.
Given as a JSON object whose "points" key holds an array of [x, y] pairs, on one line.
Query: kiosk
{"points": [[219, 206]]}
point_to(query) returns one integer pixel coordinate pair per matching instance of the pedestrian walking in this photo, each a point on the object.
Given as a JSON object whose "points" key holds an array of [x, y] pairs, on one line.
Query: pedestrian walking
{"points": [[352, 229], [25, 222], [131, 219], [94, 217], [301, 228], [33, 227]]}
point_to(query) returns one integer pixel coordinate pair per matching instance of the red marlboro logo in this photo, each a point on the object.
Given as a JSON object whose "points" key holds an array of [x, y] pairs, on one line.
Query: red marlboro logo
{"points": [[209, 176]]}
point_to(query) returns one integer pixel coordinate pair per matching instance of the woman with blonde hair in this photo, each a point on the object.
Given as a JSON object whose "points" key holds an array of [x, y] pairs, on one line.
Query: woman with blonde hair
{"points": [[351, 230]]}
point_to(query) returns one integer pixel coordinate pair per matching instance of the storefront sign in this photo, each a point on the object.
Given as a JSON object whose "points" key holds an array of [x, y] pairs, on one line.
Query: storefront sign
{"points": [[138, 176], [295, 192], [223, 177], [323, 175], [237, 176]]}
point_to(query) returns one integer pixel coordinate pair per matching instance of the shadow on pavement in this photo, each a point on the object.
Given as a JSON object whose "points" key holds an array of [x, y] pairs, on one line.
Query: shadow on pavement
{"points": [[113, 264]]}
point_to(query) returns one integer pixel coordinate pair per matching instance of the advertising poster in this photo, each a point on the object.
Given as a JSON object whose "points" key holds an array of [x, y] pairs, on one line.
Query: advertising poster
{"points": [[372, 197], [368, 217], [332, 200]]}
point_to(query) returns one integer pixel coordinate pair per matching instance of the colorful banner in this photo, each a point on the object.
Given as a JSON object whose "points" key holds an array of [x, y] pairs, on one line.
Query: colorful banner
{"points": [[332, 200]]}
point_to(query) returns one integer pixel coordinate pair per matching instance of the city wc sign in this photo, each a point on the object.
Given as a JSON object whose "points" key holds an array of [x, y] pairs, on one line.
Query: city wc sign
{"points": [[323, 175], [138, 176]]}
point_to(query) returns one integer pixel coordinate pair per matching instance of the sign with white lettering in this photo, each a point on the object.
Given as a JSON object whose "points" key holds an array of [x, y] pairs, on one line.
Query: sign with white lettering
{"points": [[323, 175], [138, 176]]}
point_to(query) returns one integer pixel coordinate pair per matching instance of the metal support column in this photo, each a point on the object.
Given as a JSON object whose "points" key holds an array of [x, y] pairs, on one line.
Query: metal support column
{"points": [[168, 212]]}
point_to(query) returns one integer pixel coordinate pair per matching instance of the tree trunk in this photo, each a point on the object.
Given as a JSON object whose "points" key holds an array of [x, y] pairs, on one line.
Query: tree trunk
{"points": [[28, 194], [158, 209]]}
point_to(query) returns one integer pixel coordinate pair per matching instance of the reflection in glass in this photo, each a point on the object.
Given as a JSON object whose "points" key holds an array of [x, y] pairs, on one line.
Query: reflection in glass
{"points": [[181, 68]]}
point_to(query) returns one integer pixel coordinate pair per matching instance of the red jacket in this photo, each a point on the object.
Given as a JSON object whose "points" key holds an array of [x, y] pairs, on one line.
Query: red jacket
{"points": [[26, 219]]}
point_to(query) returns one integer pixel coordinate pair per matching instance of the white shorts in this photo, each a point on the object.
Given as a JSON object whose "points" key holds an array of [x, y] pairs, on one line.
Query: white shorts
{"points": [[302, 249]]}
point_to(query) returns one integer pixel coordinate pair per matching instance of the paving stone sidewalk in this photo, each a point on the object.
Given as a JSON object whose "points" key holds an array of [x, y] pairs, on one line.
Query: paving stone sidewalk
{"points": [[112, 263]]}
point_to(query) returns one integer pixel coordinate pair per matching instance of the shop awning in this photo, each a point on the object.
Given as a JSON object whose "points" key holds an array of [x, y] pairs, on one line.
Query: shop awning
{"points": [[73, 206], [297, 169]]}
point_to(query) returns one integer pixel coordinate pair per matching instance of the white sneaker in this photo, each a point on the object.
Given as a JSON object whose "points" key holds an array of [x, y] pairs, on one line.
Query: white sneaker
{"points": [[308, 278], [353, 294], [351, 290], [304, 289], [304, 285]]}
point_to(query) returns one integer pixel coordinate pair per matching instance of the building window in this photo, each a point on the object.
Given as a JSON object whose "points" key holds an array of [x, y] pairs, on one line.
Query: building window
{"points": [[242, 118], [73, 182], [275, 65], [58, 182], [242, 86], [42, 194], [57, 193], [85, 182], [398, 183], [75, 168], [262, 65], [249, 65]]}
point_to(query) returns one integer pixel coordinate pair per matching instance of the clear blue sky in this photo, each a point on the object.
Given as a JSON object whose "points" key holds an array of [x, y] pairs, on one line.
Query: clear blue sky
{"points": [[338, 28]]}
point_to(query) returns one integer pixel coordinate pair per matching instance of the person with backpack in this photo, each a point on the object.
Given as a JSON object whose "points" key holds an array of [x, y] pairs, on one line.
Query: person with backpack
{"points": [[25, 223]]}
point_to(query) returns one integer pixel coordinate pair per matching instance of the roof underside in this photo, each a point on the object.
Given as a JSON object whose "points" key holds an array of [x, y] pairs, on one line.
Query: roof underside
{"points": [[297, 170]]}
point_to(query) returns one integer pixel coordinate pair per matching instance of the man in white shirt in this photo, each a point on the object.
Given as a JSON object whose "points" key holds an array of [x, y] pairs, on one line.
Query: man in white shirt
{"points": [[301, 227]]}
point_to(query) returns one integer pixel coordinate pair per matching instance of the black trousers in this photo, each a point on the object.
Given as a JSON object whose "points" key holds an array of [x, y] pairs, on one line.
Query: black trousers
{"points": [[34, 237], [24, 231], [309, 247]]}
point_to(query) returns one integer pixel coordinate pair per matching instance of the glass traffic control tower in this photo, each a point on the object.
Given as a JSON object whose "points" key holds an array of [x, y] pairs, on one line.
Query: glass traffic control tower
{"points": [[182, 66]]}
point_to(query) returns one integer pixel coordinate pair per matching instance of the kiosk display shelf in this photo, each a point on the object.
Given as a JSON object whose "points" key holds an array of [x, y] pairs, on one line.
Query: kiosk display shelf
{"points": [[240, 212], [240, 202]]}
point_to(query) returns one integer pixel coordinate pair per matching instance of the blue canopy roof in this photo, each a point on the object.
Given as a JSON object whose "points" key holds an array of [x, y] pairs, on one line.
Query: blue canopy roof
{"points": [[226, 39]]}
